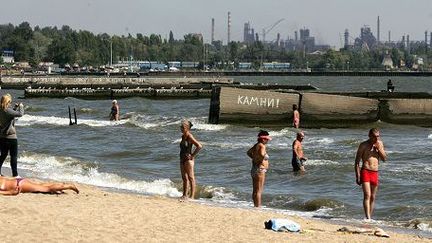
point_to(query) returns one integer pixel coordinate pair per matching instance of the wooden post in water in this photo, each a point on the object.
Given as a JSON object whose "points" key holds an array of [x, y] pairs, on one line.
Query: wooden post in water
{"points": [[70, 117]]}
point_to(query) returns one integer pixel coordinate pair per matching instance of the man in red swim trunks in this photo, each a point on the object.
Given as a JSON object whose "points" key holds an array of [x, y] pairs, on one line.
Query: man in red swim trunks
{"points": [[370, 152]]}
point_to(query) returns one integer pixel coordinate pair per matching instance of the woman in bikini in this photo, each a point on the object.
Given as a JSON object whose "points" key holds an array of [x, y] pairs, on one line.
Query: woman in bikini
{"points": [[187, 159], [260, 164], [13, 186]]}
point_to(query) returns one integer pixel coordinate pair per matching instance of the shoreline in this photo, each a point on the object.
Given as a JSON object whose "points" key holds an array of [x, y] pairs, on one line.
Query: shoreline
{"points": [[112, 216]]}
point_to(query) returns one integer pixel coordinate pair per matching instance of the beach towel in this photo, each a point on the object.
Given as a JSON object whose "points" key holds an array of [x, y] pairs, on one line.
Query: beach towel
{"points": [[282, 225]]}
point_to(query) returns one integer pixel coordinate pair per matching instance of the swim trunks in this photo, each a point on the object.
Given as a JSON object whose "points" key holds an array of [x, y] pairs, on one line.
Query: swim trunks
{"points": [[370, 176], [296, 163]]}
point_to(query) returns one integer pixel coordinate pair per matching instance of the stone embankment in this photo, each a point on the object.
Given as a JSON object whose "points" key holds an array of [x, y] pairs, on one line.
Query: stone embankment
{"points": [[77, 82]]}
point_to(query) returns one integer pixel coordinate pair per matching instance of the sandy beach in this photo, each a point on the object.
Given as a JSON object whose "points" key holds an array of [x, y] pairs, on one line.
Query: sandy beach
{"points": [[103, 216]]}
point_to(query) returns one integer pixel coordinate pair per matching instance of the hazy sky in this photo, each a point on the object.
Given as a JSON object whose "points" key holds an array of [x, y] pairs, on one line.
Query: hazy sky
{"points": [[326, 19]]}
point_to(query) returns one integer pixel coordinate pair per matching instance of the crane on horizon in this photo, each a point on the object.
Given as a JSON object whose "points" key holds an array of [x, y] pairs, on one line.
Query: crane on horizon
{"points": [[269, 28]]}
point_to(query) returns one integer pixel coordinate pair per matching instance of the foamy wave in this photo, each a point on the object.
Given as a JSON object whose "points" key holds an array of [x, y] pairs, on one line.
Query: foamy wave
{"points": [[217, 194], [201, 124], [321, 162], [29, 120], [319, 141], [424, 227], [209, 127], [286, 132], [430, 136], [69, 169], [149, 121], [231, 144]]}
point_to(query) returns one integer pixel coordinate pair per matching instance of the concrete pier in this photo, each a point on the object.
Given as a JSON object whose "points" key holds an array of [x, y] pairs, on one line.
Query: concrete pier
{"points": [[325, 110], [407, 111], [234, 105], [88, 93], [63, 82], [251, 106]]}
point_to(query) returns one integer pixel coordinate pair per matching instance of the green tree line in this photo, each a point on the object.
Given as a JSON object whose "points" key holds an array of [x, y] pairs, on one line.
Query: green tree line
{"points": [[67, 46]]}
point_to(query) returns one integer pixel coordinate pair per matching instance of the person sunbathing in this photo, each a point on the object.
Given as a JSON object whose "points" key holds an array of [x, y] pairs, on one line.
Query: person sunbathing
{"points": [[14, 186]]}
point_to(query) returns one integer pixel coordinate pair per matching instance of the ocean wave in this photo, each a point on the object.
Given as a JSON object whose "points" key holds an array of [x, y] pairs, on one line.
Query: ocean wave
{"points": [[319, 141], [215, 193], [321, 203], [228, 144], [423, 224], [200, 123], [151, 121], [87, 110], [321, 162], [286, 132], [430, 136], [30, 120], [70, 169]]}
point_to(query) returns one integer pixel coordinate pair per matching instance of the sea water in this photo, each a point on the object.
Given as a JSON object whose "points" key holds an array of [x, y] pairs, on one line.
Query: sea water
{"points": [[140, 154]]}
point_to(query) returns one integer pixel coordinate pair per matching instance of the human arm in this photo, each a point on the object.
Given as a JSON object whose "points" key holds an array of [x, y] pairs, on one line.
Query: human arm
{"points": [[250, 152], [13, 192], [357, 164], [197, 144], [379, 147], [17, 111]]}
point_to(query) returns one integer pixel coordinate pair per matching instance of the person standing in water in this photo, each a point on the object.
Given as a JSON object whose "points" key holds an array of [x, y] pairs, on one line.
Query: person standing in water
{"points": [[296, 116], [8, 137], [187, 159], [369, 152], [115, 111], [260, 165], [298, 157]]}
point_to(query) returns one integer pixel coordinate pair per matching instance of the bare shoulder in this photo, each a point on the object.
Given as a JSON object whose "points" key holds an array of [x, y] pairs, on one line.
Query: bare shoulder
{"points": [[363, 145]]}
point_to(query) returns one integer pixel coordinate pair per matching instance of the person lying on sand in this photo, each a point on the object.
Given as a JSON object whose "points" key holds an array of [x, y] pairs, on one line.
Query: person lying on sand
{"points": [[13, 186]]}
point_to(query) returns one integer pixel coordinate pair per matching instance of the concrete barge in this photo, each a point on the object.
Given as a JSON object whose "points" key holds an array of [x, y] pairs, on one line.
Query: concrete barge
{"points": [[342, 109]]}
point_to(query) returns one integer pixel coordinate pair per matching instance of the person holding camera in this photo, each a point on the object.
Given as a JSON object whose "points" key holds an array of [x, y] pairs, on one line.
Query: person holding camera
{"points": [[8, 137]]}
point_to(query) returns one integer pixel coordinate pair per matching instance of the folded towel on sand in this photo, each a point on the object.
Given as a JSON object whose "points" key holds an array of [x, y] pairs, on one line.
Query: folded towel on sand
{"points": [[375, 231], [282, 225]]}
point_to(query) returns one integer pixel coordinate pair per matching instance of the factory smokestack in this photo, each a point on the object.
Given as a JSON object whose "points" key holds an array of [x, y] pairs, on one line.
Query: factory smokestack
{"points": [[212, 30], [229, 28], [378, 30]]}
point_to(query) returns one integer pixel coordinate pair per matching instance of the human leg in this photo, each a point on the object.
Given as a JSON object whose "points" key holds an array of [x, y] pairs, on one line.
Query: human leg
{"points": [[29, 186], [184, 179], [189, 169], [367, 199], [13, 152], [258, 184], [374, 190], [4, 150]]}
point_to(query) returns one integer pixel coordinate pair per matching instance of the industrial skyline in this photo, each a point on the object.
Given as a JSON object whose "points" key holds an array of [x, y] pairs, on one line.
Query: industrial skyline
{"points": [[326, 19]]}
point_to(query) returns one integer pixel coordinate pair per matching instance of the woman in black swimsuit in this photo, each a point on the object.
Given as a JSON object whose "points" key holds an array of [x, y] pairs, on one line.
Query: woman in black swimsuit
{"points": [[115, 111], [187, 159]]}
